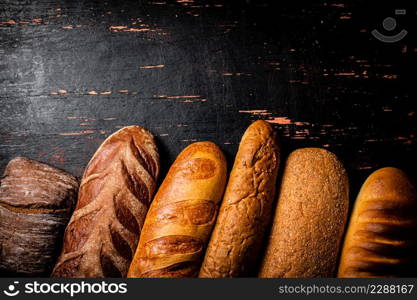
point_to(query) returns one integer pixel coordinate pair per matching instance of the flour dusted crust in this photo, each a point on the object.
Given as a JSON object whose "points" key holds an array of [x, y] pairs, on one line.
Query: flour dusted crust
{"points": [[115, 192]]}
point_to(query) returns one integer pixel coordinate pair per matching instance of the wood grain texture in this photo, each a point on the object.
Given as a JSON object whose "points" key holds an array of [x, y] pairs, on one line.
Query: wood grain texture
{"points": [[245, 212], [381, 240], [73, 72], [115, 193], [36, 203], [182, 215], [310, 217]]}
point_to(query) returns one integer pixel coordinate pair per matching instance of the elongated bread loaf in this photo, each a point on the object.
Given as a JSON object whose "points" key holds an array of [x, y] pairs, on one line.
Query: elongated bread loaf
{"points": [[310, 217], [115, 192], [181, 217], [36, 202], [245, 211], [382, 234]]}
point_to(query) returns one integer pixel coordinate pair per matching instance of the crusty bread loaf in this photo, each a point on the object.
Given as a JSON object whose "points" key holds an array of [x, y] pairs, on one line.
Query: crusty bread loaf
{"points": [[115, 192], [382, 233], [310, 217], [36, 202], [180, 219], [245, 211]]}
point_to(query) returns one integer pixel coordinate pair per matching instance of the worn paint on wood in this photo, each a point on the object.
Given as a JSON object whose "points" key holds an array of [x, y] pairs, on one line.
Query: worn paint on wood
{"points": [[73, 72]]}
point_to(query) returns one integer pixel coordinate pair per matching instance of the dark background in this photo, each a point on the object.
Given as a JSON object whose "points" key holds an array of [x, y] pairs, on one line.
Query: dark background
{"points": [[73, 72]]}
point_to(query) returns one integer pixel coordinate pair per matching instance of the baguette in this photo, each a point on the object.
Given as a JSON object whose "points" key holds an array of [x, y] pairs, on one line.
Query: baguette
{"points": [[180, 219], [246, 207], [310, 217], [382, 234], [36, 202], [115, 192]]}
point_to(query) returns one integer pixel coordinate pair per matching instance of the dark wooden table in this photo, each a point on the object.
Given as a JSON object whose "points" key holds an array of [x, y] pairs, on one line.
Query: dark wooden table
{"points": [[73, 72]]}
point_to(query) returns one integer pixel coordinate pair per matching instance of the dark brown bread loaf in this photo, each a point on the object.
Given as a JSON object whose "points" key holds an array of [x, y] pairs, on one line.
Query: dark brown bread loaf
{"points": [[115, 192], [182, 215], [382, 236], [36, 202], [310, 217], [245, 211]]}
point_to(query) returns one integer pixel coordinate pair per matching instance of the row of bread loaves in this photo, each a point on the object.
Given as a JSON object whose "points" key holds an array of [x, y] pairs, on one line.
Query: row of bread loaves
{"points": [[201, 223]]}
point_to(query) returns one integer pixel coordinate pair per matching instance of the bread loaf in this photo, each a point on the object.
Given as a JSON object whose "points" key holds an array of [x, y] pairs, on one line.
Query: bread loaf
{"points": [[115, 192], [245, 211], [180, 219], [310, 217], [382, 234], [36, 202]]}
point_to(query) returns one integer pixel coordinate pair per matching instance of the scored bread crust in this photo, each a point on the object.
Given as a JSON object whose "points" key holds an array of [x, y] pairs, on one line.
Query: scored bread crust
{"points": [[115, 192], [182, 214], [246, 207], [310, 217], [382, 234]]}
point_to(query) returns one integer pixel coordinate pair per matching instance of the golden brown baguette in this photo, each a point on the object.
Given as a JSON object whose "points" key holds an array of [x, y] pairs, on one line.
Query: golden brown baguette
{"points": [[382, 234], [245, 211], [180, 219], [115, 192], [310, 217]]}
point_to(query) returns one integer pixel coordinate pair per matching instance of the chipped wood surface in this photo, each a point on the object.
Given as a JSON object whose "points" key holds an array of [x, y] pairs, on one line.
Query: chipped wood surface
{"points": [[73, 72]]}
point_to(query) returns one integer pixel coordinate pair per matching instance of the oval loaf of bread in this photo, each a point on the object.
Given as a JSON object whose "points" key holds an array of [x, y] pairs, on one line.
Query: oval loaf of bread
{"points": [[182, 214], [382, 234], [246, 207], [115, 193], [36, 203], [310, 217]]}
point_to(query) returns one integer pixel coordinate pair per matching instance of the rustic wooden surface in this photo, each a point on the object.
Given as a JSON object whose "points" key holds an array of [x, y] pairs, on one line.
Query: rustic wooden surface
{"points": [[73, 72]]}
